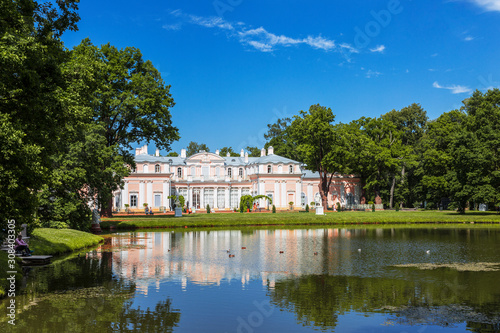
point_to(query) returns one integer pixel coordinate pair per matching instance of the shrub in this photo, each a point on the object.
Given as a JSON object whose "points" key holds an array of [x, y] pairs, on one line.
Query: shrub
{"points": [[274, 209], [338, 207], [291, 205], [397, 207], [307, 208], [313, 204], [208, 209], [373, 207]]}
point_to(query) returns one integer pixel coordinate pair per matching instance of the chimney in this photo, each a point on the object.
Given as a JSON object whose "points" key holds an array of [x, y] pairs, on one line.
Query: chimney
{"points": [[242, 153], [183, 153], [270, 150], [157, 153], [217, 152], [137, 151], [228, 154], [262, 152], [246, 157], [145, 150]]}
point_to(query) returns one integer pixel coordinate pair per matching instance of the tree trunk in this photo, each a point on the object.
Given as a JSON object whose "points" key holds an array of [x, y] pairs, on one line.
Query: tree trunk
{"points": [[402, 185], [391, 200], [108, 210]]}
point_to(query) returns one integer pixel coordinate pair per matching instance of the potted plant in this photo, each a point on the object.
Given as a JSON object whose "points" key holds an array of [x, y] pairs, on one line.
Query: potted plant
{"points": [[126, 208], [291, 205]]}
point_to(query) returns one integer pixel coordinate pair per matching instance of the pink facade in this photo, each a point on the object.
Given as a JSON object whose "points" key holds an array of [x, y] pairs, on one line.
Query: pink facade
{"points": [[219, 181]]}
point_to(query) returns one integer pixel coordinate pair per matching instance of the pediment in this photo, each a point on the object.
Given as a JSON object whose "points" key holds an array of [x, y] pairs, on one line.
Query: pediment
{"points": [[205, 157]]}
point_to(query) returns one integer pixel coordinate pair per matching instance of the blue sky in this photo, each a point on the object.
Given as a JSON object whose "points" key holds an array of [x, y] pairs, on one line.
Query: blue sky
{"points": [[237, 65]]}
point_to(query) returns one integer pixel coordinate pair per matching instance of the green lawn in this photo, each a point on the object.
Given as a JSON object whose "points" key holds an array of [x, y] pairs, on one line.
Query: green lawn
{"points": [[55, 241], [297, 218]]}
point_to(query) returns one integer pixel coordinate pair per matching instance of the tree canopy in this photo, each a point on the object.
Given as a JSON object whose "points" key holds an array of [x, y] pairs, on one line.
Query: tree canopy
{"points": [[195, 147]]}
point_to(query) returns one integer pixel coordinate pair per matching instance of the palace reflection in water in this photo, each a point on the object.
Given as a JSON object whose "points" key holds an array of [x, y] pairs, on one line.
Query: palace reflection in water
{"points": [[297, 280]]}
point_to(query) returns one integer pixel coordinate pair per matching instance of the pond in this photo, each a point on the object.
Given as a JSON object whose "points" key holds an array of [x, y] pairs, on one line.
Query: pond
{"points": [[296, 280]]}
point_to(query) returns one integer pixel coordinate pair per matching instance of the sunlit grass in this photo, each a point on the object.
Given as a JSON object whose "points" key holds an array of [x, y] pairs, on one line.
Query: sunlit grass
{"points": [[296, 218], [45, 241]]}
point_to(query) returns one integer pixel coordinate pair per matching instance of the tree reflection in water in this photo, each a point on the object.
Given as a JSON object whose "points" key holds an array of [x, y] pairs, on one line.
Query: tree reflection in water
{"points": [[318, 300], [83, 295]]}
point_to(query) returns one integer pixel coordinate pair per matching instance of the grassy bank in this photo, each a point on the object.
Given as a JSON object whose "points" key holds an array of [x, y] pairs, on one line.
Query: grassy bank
{"points": [[296, 219], [4, 283], [55, 241]]}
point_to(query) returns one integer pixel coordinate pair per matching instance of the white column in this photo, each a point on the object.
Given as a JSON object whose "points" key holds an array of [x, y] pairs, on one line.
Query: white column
{"points": [[190, 196], [141, 194], [125, 195], [283, 194], [202, 198], [166, 194], [277, 197], [216, 206], [298, 194], [149, 193], [239, 194], [227, 192], [310, 194]]}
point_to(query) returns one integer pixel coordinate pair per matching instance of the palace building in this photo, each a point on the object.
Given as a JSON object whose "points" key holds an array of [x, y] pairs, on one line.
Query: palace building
{"points": [[219, 181]]}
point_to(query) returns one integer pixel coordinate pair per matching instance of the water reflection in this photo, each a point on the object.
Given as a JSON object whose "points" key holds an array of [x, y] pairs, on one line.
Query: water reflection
{"points": [[319, 279], [84, 295]]}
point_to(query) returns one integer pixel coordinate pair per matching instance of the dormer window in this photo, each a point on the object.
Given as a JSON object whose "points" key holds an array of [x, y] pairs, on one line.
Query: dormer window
{"points": [[157, 168], [145, 168], [179, 172], [241, 172], [269, 169], [229, 172], [291, 168]]}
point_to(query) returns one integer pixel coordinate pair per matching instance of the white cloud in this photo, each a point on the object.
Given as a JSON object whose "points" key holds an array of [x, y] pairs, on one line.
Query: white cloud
{"points": [[176, 26], [370, 74], [259, 38], [455, 89], [379, 48], [489, 5], [468, 38]]}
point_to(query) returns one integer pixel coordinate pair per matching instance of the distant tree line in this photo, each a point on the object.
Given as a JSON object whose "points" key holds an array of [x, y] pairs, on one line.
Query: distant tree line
{"points": [[403, 157]]}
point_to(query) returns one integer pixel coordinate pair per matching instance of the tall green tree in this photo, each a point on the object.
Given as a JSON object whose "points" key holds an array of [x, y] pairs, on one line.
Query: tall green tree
{"points": [[228, 150], [475, 152], [435, 162], [278, 136], [254, 151], [312, 133], [194, 147], [382, 155], [131, 103], [31, 90], [411, 121]]}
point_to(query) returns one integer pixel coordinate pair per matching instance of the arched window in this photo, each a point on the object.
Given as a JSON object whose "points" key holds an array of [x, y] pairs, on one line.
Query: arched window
{"points": [[240, 172], [280, 168], [217, 172], [145, 168], [179, 172], [229, 172], [291, 169], [269, 169], [157, 168], [193, 171]]}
